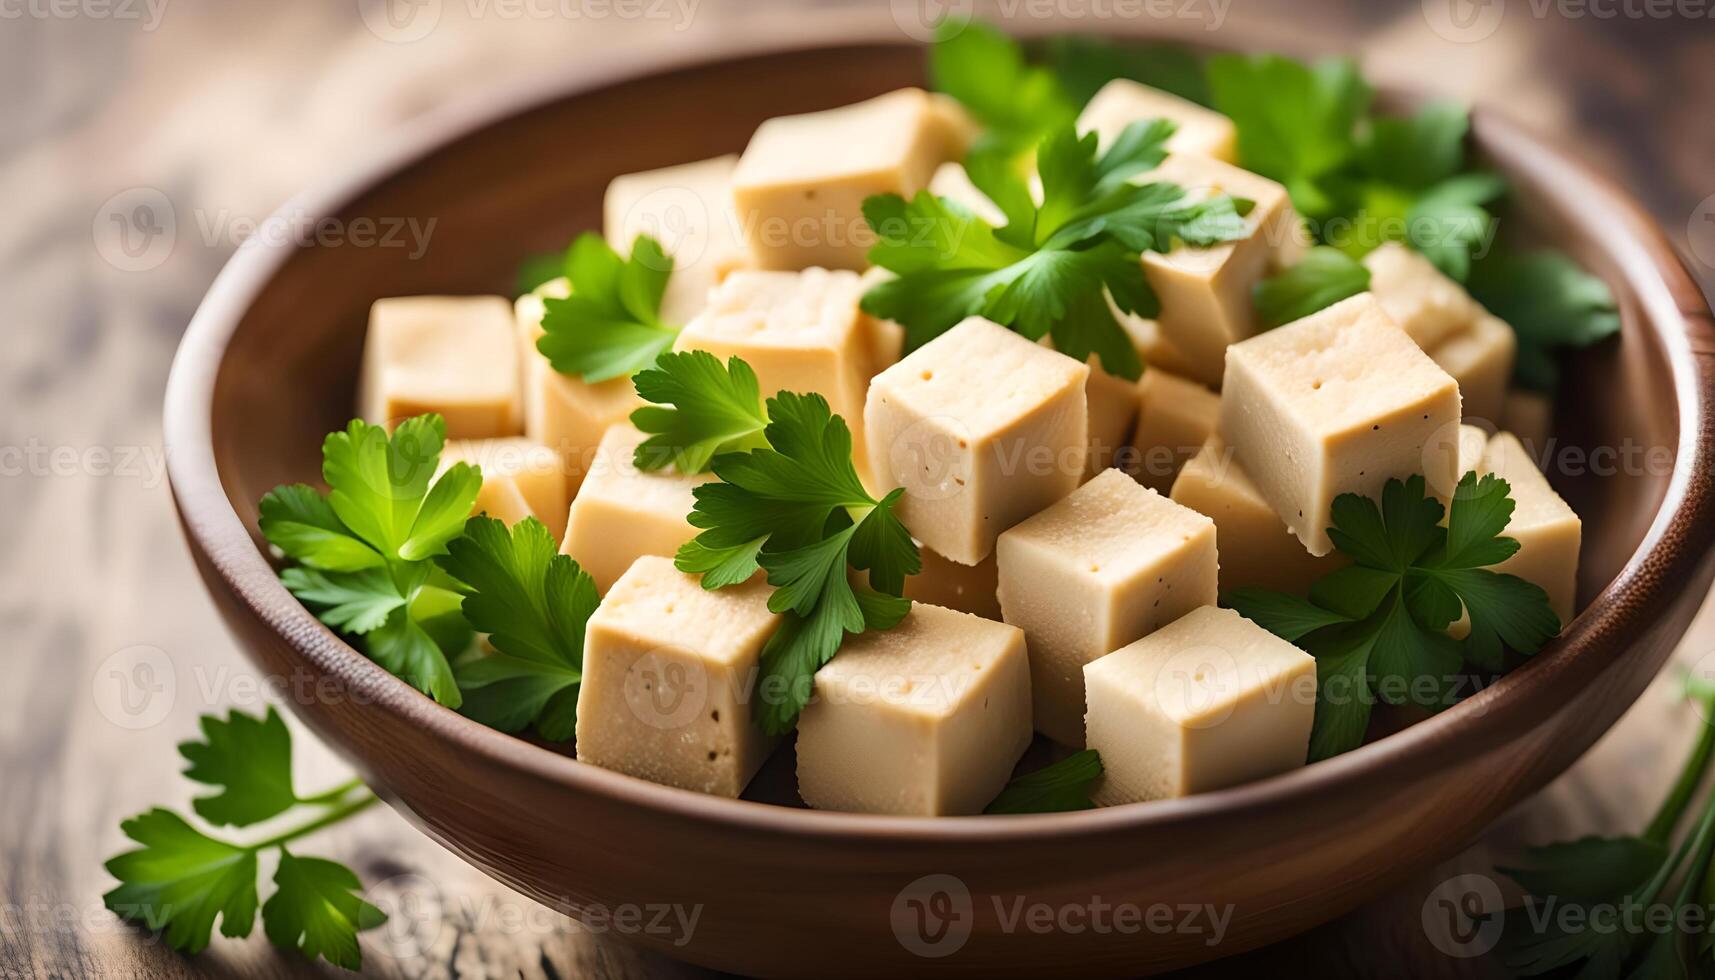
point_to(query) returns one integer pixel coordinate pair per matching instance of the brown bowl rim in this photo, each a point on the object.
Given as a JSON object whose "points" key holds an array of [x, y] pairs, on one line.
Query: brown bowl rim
{"points": [[1594, 640]]}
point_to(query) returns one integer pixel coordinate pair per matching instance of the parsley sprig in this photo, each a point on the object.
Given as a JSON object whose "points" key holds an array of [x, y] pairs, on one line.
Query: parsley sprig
{"points": [[701, 409], [1322, 278], [534, 604], [1378, 627], [180, 880], [610, 326], [1047, 270], [364, 551], [1055, 788], [1017, 103], [1550, 303], [797, 510]]}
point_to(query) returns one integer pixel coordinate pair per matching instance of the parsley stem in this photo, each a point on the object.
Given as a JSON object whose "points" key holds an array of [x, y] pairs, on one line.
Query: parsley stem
{"points": [[325, 820], [334, 795], [1672, 808]]}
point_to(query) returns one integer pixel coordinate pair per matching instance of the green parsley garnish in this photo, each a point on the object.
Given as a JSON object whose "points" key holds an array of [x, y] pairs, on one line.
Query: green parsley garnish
{"points": [[610, 326], [1016, 103], [1056, 788], [700, 410], [1085, 64], [1322, 278], [797, 510], [1551, 304], [1378, 627], [1048, 269], [533, 603], [180, 880], [363, 550]]}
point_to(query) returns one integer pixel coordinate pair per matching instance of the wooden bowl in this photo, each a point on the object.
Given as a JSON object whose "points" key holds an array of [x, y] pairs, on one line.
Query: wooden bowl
{"points": [[269, 365]]}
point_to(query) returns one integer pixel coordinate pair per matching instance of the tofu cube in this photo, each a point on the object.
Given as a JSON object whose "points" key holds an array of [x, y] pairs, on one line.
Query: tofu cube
{"points": [[519, 479], [800, 331], [1152, 347], [967, 588], [668, 668], [622, 513], [449, 354], [982, 428], [800, 185], [925, 719], [564, 413], [1257, 549], [1340, 401], [1121, 102], [1208, 702], [1175, 418], [688, 209], [1480, 358], [1110, 563], [1547, 530], [886, 337], [1113, 403], [1424, 302], [1206, 292]]}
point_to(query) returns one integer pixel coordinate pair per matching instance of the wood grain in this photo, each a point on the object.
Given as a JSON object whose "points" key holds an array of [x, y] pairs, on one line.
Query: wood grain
{"points": [[229, 108]]}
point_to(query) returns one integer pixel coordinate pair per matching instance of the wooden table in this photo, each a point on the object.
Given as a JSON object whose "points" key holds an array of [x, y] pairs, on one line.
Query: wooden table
{"points": [[224, 109]]}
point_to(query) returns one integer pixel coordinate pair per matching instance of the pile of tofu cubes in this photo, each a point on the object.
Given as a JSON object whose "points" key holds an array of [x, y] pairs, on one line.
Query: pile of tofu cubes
{"points": [[1076, 527]]}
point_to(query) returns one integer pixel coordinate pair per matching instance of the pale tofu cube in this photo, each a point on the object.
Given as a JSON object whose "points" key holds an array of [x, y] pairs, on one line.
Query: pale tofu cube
{"points": [[1480, 358], [1121, 102], [951, 181], [1175, 418], [1153, 348], [1547, 530], [967, 588], [800, 186], [1113, 404], [1472, 442], [799, 331], [519, 479], [567, 414], [688, 209], [449, 354], [1205, 293], [1339, 402], [1529, 415], [1257, 549], [622, 513], [982, 428], [668, 668], [886, 337], [925, 719], [1110, 563], [1208, 702], [1424, 302]]}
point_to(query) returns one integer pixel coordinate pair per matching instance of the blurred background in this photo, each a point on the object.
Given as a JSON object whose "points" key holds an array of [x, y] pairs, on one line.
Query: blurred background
{"points": [[143, 141]]}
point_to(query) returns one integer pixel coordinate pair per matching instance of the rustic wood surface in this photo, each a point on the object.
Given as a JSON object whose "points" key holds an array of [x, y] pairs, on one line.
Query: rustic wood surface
{"points": [[224, 109]]}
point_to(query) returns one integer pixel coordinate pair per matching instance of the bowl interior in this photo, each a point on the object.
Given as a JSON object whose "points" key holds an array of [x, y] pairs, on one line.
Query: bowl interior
{"points": [[528, 183]]}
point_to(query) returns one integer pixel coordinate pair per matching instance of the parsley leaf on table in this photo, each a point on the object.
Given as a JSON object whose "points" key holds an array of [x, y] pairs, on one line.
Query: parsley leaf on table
{"points": [[610, 326], [1550, 302], [317, 910], [1055, 788], [180, 880], [797, 510], [1322, 278], [1046, 270], [985, 70], [700, 409], [534, 603], [363, 550], [1378, 627], [250, 759]]}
